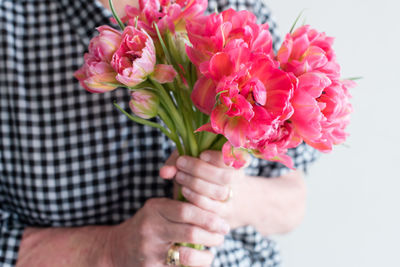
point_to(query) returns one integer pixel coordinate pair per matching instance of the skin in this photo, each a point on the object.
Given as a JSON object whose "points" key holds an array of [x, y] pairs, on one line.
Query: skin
{"points": [[277, 206], [143, 240]]}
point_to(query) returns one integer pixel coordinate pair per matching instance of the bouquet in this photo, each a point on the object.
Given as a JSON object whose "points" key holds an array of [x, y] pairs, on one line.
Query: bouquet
{"points": [[216, 83]]}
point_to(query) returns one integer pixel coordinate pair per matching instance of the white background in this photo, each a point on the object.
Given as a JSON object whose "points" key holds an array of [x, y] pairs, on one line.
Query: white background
{"points": [[353, 214]]}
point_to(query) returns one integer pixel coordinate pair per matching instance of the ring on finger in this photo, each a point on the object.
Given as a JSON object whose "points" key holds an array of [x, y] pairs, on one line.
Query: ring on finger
{"points": [[173, 256]]}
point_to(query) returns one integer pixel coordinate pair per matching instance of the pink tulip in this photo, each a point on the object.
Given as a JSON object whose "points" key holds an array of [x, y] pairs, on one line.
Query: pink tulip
{"points": [[144, 103], [167, 14], [308, 50], [275, 147], [211, 34], [321, 101], [97, 75], [106, 43], [252, 101], [330, 117], [135, 59], [234, 157]]}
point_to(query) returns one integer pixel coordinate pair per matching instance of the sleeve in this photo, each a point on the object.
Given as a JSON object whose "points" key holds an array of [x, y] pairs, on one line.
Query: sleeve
{"points": [[10, 237]]}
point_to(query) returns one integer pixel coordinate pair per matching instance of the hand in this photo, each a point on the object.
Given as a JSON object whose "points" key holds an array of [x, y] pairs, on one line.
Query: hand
{"points": [[145, 239], [206, 182]]}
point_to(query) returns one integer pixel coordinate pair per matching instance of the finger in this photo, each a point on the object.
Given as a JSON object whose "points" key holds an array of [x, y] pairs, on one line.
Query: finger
{"points": [[187, 233], [168, 171], [199, 168], [213, 157], [203, 202], [180, 212], [203, 187], [194, 257]]}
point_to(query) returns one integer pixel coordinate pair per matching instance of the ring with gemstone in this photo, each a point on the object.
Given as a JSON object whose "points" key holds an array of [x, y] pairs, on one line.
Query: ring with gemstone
{"points": [[173, 256]]}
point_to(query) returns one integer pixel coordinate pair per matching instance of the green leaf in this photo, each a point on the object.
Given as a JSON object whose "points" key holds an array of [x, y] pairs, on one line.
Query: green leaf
{"points": [[114, 84], [164, 47], [145, 122], [297, 20], [354, 78], [121, 25]]}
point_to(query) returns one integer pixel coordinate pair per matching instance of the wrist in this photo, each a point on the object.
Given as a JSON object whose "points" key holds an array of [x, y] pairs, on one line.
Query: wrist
{"points": [[240, 202], [103, 256]]}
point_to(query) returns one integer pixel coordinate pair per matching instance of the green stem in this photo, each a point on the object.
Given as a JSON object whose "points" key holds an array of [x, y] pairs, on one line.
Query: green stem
{"points": [[218, 143], [207, 140], [167, 120], [121, 25], [145, 122], [170, 106]]}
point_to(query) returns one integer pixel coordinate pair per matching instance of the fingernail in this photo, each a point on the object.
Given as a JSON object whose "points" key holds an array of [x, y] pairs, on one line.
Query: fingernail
{"points": [[224, 227], [181, 162], [205, 156]]}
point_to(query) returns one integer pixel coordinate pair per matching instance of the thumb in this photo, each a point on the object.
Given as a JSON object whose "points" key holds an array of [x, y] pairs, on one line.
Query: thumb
{"points": [[169, 169]]}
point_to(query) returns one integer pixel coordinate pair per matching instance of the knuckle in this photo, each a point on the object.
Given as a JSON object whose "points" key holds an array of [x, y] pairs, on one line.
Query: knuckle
{"points": [[145, 228], [221, 193], [194, 182], [143, 247], [213, 222], [184, 212], [151, 203], [225, 177], [190, 234], [186, 256]]}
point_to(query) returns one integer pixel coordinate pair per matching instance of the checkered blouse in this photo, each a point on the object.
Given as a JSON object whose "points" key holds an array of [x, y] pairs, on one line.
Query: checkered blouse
{"points": [[68, 157]]}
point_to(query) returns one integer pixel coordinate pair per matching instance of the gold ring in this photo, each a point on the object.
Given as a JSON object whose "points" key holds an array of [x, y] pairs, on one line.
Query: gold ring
{"points": [[230, 195], [173, 256]]}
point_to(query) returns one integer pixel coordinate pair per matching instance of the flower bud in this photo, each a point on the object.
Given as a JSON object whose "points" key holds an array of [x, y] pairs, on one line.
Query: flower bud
{"points": [[144, 103]]}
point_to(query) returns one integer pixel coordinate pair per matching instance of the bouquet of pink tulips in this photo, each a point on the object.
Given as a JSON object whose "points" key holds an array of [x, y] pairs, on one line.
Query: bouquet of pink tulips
{"points": [[216, 83]]}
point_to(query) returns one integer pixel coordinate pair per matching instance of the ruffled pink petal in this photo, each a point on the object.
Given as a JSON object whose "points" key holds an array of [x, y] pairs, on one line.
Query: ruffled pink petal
{"points": [[164, 73], [234, 157], [220, 65], [203, 95], [236, 130]]}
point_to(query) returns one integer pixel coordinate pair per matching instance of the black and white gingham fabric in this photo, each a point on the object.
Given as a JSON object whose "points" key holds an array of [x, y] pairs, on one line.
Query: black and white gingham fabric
{"points": [[68, 157]]}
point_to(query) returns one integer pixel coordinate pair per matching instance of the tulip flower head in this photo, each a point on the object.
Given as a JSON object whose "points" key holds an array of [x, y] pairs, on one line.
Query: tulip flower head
{"points": [[97, 75], [135, 58]]}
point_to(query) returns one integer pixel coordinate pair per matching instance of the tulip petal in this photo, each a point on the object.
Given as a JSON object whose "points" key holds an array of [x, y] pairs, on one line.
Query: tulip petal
{"points": [[203, 95], [100, 83], [236, 130], [234, 157], [164, 73], [206, 127], [220, 65]]}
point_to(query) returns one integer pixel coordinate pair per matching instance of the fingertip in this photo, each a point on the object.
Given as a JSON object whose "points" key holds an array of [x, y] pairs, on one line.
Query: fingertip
{"points": [[205, 156], [168, 172]]}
